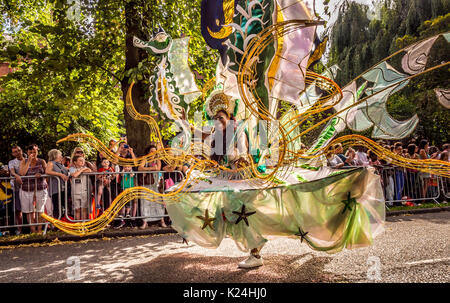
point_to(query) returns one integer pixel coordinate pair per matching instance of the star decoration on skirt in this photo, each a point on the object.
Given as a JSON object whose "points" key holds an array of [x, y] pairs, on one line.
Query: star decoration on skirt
{"points": [[207, 221], [348, 203], [301, 234], [243, 215]]}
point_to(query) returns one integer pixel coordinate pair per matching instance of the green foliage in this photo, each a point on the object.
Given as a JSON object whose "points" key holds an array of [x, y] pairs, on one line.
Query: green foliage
{"points": [[70, 69], [63, 80]]}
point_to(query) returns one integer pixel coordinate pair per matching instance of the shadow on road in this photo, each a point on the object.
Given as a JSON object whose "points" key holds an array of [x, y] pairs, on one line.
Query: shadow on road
{"points": [[193, 268], [437, 218]]}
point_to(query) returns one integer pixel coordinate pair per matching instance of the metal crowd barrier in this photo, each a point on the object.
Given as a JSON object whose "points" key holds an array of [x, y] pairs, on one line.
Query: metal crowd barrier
{"points": [[10, 208], [96, 202], [403, 185], [445, 187], [399, 185], [407, 185]]}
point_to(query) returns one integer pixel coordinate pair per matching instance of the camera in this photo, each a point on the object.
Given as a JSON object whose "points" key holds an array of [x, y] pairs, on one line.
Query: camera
{"points": [[126, 146]]}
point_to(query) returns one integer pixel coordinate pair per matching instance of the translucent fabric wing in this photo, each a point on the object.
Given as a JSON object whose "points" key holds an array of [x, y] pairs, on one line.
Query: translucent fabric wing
{"points": [[182, 74]]}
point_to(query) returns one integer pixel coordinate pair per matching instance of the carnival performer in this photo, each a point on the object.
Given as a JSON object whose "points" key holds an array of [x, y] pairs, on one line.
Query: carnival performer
{"points": [[227, 140], [229, 147]]}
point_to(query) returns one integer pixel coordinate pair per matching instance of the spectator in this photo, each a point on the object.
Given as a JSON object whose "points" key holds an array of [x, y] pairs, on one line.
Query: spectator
{"points": [[411, 174], [152, 211], [373, 159], [80, 181], [104, 182], [67, 162], [374, 162], [361, 158], [339, 152], [14, 168], [398, 148], [399, 174], [57, 169], [333, 161], [33, 187], [78, 151], [112, 145], [444, 156], [446, 147], [351, 156], [423, 176], [125, 151], [411, 152], [126, 183], [434, 152]]}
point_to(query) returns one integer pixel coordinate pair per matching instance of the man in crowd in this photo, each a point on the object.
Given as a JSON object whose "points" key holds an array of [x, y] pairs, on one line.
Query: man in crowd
{"points": [[13, 166]]}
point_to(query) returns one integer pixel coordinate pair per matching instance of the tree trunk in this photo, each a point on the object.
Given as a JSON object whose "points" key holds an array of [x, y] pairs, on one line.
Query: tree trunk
{"points": [[138, 133]]}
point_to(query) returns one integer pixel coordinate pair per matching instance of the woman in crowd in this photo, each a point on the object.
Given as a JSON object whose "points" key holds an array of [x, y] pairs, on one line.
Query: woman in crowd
{"points": [[373, 161], [56, 168], [423, 176], [67, 161], [112, 145], [411, 174], [399, 174], [361, 158], [434, 152], [152, 211], [33, 187]]}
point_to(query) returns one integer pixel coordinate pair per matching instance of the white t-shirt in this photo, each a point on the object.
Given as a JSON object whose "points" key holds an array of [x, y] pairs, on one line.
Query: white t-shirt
{"points": [[15, 163], [336, 160], [80, 184], [361, 159]]}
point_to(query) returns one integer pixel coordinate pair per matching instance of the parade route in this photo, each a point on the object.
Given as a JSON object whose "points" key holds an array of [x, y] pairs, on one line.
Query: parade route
{"points": [[414, 248]]}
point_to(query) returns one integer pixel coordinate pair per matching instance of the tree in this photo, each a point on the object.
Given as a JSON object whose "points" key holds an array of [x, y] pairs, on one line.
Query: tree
{"points": [[72, 71]]}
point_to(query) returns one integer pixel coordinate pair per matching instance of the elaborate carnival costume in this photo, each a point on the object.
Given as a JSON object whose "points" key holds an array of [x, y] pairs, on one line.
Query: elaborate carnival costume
{"points": [[267, 48]]}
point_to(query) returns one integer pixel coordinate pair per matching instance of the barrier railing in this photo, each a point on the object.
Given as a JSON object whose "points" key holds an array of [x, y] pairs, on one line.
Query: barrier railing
{"points": [[103, 187], [403, 185], [29, 197], [445, 187], [100, 189], [94, 190], [407, 185]]}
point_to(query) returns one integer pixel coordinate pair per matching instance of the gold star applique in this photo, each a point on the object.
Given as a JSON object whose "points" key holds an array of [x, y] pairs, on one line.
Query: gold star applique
{"points": [[207, 221]]}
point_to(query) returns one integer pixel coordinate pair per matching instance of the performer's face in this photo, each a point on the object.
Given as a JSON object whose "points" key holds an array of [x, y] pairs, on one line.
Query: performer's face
{"points": [[223, 119]]}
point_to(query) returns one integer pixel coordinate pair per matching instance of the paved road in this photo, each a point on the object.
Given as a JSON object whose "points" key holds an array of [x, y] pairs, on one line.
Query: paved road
{"points": [[414, 248]]}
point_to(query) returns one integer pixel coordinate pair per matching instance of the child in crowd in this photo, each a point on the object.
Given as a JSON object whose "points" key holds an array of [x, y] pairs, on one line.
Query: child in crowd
{"points": [[80, 182], [104, 181], [126, 183]]}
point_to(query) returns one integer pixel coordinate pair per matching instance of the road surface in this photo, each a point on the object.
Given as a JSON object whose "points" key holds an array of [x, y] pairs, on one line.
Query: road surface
{"points": [[414, 248]]}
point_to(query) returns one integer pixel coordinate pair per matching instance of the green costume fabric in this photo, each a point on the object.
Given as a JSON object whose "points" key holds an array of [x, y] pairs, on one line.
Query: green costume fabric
{"points": [[328, 209]]}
